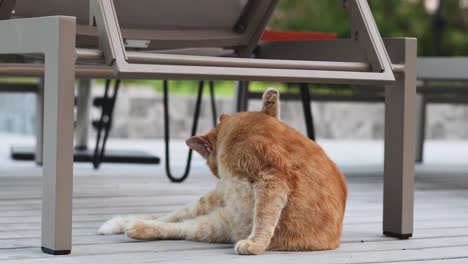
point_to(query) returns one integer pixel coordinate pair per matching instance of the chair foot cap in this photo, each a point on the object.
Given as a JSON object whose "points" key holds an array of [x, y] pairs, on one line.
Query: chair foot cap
{"points": [[55, 252], [397, 235]]}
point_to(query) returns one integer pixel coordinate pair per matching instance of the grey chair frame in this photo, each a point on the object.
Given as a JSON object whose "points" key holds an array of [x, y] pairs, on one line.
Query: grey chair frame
{"points": [[399, 124], [62, 64]]}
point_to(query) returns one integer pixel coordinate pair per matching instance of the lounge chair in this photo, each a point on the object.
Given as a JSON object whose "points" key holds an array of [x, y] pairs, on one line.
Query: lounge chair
{"points": [[126, 30]]}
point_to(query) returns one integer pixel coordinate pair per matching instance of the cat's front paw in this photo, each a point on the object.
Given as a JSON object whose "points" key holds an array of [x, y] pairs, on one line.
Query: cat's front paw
{"points": [[113, 226], [139, 229], [249, 247]]}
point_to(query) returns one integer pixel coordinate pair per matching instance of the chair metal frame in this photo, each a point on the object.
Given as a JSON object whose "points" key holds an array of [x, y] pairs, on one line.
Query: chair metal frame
{"points": [[400, 113], [57, 44], [127, 64]]}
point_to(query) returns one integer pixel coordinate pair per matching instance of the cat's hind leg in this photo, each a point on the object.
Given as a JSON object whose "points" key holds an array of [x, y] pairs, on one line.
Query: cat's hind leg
{"points": [[203, 206], [271, 103], [117, 224], [213, 227]]}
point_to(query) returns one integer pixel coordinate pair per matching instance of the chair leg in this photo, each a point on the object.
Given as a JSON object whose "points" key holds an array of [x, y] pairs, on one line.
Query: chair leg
{"points": [[242, 100], [214, 111], [104, 119], [109, 112], [57, 43], [400, 120], [39, 122], [421, 128], [58, 138], [309, 121], [82, 114], [196, 117]]}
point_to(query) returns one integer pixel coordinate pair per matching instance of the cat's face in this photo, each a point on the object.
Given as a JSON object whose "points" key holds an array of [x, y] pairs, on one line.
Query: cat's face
{"points": [[206, 146]]}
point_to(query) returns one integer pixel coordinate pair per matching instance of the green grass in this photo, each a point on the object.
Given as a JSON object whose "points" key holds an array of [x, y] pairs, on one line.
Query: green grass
{"points": [[18, 80], [222, 88], [227, 88]]}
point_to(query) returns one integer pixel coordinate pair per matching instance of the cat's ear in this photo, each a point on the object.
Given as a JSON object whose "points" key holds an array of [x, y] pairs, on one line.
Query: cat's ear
{"points": [[271, 103], [200, 144], [223, 117]]}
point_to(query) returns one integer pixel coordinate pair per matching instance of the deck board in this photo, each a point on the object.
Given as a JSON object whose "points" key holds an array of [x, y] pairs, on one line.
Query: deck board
{"points": [[441, 218]]}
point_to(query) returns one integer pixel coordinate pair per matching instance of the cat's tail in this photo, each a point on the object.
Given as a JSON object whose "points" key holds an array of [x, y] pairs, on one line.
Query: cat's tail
{"points": [[271, 103]]}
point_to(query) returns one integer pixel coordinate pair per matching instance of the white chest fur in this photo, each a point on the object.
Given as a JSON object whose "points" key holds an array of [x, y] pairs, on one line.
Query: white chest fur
{"points": [[239, 201]]}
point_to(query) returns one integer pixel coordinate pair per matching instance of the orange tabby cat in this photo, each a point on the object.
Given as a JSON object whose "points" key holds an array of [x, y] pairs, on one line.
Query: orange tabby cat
{"points": [[277, 190]]}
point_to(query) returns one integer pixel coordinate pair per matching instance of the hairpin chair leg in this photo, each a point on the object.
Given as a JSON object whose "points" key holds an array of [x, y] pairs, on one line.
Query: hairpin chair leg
{"points": [[110, 118], [214, 112], [167, 135], [105, 122], [309, 121], [100, 125], [400, 119], [242, 99], [196, 118]]}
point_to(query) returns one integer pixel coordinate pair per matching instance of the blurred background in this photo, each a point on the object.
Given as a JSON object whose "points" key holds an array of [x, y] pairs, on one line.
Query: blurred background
{"points": [[439, 25]]}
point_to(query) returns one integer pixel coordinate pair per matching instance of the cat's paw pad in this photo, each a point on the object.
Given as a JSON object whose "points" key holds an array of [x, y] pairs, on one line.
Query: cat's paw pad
{"points": [[248, 247], [113, 226], [139, 229], [270, 96]]}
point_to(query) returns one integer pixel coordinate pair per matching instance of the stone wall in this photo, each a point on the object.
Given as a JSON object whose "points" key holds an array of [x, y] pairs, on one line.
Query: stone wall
{"points": [[139, 114], [17, 113]]}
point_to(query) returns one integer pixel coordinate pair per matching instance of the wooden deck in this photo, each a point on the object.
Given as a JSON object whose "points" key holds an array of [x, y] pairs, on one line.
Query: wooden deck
{"points": [[441, 219]]}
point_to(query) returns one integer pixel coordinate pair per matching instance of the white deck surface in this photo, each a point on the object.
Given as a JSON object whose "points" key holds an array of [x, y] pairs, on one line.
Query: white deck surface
{"points": [[441, 210]]}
